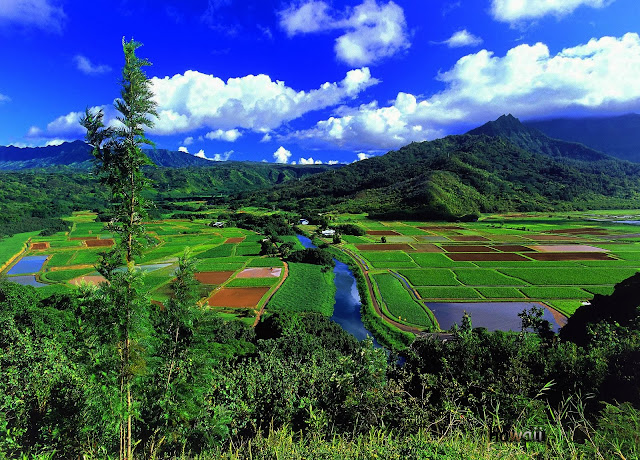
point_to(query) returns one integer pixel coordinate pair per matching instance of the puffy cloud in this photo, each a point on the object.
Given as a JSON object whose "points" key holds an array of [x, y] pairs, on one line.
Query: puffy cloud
{"points": [[333, 162], [55, 142], [370, 31], [515, 11], [266, 138], [188, 140], [363, 156], [4, 98], [184, 150], [86, 66], [528, 81], [230, 135], [223, 156], [282, 155], [43, 14], [309, 161], [462, 38], [201, 154], [194, 100]]}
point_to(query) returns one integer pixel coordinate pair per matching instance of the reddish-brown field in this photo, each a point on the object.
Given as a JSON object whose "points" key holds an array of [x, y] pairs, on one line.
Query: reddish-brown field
{"points": [[513, 248], [239, 239], [260, 272], [426, 247], [468, 238], [213, 277], [89, 279], [39, 246], [467, 248], [99, 243], [382, 232], [384, 247], [483, 256], [553, 256], [237, 297]]}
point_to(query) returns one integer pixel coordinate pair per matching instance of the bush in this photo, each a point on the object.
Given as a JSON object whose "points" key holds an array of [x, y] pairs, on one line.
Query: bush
{"points": [[313, 256]]}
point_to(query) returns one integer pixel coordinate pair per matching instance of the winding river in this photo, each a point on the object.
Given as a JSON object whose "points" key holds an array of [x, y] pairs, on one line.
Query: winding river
{"points": [[346, 310]]}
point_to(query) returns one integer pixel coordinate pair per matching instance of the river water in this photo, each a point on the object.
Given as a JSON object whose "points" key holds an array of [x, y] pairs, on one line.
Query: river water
{"points": [[346, 310]]}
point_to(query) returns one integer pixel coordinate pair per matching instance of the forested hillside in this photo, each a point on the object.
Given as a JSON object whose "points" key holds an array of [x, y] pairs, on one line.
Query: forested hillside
{"points": [[459, 176]]}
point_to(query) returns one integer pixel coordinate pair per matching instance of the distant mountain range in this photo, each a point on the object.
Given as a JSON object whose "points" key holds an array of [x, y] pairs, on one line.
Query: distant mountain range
{"points": [[500, 166], [617, 136], [77, 154]]}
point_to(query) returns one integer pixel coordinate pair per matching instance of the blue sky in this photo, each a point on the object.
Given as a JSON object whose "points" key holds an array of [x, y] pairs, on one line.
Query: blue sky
{"points": [[311, 80]]}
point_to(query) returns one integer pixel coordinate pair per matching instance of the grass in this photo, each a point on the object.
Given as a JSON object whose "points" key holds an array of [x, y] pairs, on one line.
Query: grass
{"points": [[437, 260], [224, 250], [569, 276], [306, 289], [60, 259], [555, 292], [265, 262], [566, 307], [602, 290], [252, 282], [65, 275], [400, 303], [430, 277], [484, 277], [86, 257], [87, 229], [217, 265], [454, 292], [387, 256], [13, 245], [247, 249], [500, 292]]}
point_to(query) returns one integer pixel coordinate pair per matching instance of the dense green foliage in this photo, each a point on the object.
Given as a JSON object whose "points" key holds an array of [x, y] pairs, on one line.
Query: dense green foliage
{"points": [[208, 382]]}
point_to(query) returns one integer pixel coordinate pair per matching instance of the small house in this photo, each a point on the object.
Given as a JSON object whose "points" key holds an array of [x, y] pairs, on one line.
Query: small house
{"points": [[304, 222]]}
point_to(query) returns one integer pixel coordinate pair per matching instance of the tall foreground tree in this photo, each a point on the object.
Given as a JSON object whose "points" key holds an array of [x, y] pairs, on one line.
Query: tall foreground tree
{"points": [[119, 160]]}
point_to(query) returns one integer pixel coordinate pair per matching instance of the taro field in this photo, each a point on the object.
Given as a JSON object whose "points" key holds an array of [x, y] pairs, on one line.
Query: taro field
{"points": [[557, 260], [233, 278]]}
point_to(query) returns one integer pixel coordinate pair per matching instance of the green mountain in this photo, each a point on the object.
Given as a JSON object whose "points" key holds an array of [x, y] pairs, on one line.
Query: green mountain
{"points": [[615, 136], [498, 167]]}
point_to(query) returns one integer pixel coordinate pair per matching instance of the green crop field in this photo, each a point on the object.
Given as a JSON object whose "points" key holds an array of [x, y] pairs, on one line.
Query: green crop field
{"points": [[66, 275], [11, 246], [86, 257], [484, 277], [60, 259], [265, 262], [303, 279], [224, 250], [252, 282], [430, 277], [400, 303], [490, 275]]}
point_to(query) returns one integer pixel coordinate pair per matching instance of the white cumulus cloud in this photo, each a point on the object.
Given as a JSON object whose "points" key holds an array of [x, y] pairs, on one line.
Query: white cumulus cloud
{"points": [[309, 161], [43, 14], [369, 32], [188, 140], [515, 11], [462, 38], [230, 135], [184, 149], [363, 156], [528, 81], [193, 100], [84, 65], [282, 155]]}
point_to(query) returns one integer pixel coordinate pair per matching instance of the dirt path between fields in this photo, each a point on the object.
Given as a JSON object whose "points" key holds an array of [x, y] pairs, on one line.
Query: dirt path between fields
{"points": [[284, 277]]}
